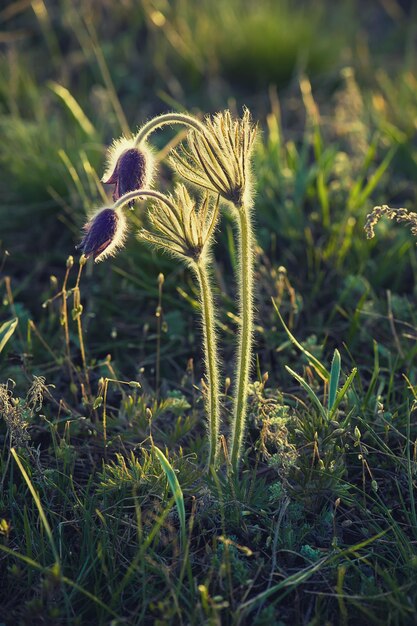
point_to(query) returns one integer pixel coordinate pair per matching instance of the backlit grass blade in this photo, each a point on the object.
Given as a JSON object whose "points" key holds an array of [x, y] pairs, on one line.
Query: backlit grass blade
{"points": [[303, 575], [334, 378], [37, 566], [313, 361], [342, 392], [6, 331], [39, 506], [357, 200], [175, 488], [310, 392], [73, 106]]}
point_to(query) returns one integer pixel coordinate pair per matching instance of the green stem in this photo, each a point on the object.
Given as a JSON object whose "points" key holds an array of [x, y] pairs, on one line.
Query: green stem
{"points": [[211, 358], [163, 120], [246, 255], [200, 268], [142, 193]]}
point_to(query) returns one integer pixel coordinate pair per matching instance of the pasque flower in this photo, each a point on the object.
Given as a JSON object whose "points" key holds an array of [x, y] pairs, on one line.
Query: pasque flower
{"points": [[104, 233], [218, 159], [129, 168]]}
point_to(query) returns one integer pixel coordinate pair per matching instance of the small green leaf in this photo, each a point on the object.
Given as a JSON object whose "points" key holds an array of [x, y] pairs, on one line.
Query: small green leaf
{"points": [[342, 392], [77, 312], [6, 331], [334, 379], [98, 402]]}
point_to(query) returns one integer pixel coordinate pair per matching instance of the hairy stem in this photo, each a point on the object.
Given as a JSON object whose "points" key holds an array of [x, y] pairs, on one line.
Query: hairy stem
{"points": [[244, 355], [142, 193], [211, 358], [165, 119], [200, 267]]}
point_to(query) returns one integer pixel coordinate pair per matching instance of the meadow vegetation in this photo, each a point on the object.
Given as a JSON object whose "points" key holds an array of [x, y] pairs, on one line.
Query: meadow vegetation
{"points": [[110, 512]]}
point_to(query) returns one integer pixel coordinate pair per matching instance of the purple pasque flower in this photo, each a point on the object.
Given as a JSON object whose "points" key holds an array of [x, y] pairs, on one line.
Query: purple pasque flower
{"points": [[129, 168], [104, 233]]}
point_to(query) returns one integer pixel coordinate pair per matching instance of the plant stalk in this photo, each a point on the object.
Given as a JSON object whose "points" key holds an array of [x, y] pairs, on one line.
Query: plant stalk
{"points": [[211, 358], [167, 119], [200, 268], [244, 354], [142, 193]]}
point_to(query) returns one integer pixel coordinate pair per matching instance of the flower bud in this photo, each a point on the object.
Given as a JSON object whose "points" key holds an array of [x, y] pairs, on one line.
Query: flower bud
{"points": [[129, 168], [103, 234]]}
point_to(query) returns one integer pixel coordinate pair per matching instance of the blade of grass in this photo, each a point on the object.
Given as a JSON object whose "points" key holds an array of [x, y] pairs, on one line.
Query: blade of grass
{"points": [[376, 177], [303, 575], [64, 579], [39, 506], [6, 331], [73, 106], [140, 554], [342, 392], [313, 361], [334, 379], [309, 391], [176, 490], [410, 476]]}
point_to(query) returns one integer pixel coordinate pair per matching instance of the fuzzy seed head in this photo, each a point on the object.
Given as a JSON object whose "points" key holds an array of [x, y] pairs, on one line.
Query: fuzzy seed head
{"points": [[219, 158], [128, 167], [104, 234]]}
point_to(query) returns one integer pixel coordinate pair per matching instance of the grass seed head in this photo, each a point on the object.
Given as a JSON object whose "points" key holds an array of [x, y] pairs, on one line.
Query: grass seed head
{"points": [[400, 215], [14, 413]]}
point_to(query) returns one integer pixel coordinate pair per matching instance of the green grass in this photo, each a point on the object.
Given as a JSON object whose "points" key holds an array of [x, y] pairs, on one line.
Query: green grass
{"points": [[106, 514]]}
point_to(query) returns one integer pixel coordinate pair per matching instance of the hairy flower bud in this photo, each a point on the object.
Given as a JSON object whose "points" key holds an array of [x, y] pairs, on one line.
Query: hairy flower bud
{"points": [[218, 158], [180, 227], [129, 168], [104, 233]]}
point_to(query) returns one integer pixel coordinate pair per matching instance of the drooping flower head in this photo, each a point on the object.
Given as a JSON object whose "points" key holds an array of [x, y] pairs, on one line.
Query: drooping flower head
{"points": [[128, 167], [104, 233], [180, 227], [219, 158]]}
